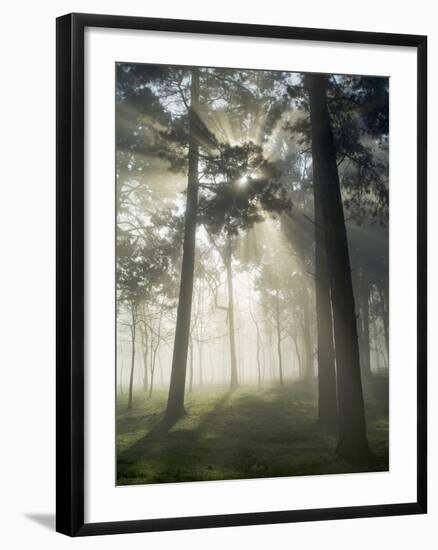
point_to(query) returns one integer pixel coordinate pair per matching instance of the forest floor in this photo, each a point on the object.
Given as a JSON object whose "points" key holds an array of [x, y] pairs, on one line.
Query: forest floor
{"points": [[248, 433]]}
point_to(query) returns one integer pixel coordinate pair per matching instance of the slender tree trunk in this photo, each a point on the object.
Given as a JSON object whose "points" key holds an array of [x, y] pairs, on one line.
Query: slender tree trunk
{"points": [[263, 350], [160, 369], [210, 364], [259, 366], [153, 365], [297, 351], [175, 404], [352, 442], [272, 361], [145, 338], [309, 371], [200, 334], [234, 382], [122, 365], [278, 327], [200, 360], [360, 324], [131, 376], [240, 355], [280, 360], [327, 399], [191, 365], [151, 385], [384, 315], [361, 290], [365, 317], [378, 364]]}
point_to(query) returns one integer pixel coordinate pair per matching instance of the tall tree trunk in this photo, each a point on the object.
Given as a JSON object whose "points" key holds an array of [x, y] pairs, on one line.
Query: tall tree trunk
{"points": [[131, 376], [151, 385], [161, 370], [384, 315], [259, 366], [378, 363], [200, 360], [153, 365], [210, 364], [175, 403], [263, 364], [309, 371], [352, 441], [241, 362], [122, 365], [145, 338], [272, 361], [200, 330], [327, 399], [357, 289], [234, 382], [280, 359], [365, 319], [191, 365], [278, 327], [298, 354]]}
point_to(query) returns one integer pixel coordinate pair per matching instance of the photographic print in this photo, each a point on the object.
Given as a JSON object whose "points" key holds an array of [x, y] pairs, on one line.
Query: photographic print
{"points": [[251, 273]]}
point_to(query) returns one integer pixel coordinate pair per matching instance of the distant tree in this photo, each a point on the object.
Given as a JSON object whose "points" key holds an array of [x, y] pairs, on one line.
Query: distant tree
{"points": [[132, 274], [273, 287], [257, 321], [146, 269], [239, 190]]}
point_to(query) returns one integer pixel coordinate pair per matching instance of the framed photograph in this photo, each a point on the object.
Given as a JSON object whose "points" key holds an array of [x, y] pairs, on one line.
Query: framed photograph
{"points": [[241, 274]]}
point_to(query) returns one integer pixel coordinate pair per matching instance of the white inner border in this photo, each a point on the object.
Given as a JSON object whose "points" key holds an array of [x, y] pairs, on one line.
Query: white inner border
{"points": [[103, 500]]}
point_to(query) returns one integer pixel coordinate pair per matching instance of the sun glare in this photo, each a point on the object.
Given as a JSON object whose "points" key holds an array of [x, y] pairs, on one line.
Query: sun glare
{"points": [[243, 181]]}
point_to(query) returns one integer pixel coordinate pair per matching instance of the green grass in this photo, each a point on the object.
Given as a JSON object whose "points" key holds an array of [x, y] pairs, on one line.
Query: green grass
{"points": [[248, 433]]}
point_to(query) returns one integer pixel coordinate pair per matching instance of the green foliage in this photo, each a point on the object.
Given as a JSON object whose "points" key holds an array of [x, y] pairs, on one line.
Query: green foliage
{"points": [[359, 112], [241, 188], [145, 267]]}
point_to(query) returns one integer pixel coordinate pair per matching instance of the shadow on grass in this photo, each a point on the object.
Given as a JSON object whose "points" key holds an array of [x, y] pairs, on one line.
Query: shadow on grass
{"points": [[168, 451], [247, 433]]}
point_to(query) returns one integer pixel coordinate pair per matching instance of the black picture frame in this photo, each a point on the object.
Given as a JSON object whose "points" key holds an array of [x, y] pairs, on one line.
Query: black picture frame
{"points": [[70, 273]]}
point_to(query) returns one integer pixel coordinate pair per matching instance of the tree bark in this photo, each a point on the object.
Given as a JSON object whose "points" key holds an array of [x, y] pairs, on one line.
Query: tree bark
{"points": [[327, 398], [352, 441], [175, 403]]}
